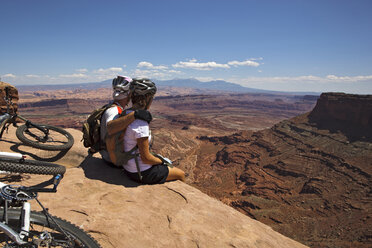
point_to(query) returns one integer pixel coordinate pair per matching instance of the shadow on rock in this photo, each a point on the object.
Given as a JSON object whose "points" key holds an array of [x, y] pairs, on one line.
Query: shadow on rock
{"points": [[352, 131], [54, 158], [11, 178], [96, 168]]}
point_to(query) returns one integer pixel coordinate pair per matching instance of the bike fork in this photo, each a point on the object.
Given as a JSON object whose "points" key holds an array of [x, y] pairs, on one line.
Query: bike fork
{"points": [[3, 120], [30, 124], [16, 237], [25, 220]]}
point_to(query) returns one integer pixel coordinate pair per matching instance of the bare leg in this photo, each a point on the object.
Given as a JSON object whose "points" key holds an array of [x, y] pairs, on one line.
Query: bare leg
{"points": [[175, 174]]}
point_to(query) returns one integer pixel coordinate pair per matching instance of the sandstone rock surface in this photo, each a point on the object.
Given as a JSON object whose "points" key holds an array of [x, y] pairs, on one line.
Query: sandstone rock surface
{"points": [[120, 213]]}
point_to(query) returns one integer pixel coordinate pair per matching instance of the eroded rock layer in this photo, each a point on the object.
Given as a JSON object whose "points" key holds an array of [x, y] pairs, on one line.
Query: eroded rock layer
{"points": [[307, 179]]}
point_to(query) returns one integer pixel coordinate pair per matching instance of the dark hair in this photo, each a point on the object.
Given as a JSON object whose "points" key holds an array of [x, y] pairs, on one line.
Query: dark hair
{"points": [[140, 100]]}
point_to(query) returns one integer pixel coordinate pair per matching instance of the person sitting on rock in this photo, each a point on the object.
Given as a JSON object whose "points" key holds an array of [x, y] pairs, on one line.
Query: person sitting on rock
{"points": [[121, 86], [149, 168]]}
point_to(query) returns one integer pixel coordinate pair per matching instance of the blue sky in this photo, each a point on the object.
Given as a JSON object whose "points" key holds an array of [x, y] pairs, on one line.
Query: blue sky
{"points": [[286, 45]]}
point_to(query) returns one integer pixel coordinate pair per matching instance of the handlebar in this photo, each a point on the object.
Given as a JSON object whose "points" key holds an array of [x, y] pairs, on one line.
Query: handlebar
{"points": [[40, 187]]}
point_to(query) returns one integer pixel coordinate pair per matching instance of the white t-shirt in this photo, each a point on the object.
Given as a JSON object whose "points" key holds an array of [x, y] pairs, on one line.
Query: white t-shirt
{"points": [[137, 129], [109, 115]]}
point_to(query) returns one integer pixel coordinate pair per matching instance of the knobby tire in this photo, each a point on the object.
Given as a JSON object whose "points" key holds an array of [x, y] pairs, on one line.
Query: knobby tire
{"points": [[59, 145], [31, 167], [39, 222]]}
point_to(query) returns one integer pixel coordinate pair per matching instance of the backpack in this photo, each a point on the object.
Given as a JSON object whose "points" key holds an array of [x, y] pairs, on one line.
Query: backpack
{"points": [[92, 138], [91, 129], [13, 96]]}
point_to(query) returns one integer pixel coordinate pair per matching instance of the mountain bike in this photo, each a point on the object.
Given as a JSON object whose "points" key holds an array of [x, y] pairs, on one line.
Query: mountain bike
{"points": [[41, 136], [22, 227]]}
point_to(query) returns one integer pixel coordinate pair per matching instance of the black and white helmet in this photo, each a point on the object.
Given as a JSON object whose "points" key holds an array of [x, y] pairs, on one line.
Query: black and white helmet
{"points": [[121, 86], [143, 86]]}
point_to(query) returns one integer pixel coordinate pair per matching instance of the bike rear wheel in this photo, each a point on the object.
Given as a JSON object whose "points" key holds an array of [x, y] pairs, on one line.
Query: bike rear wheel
{"points": [[42, 225], [58, 139], [31, 167]]}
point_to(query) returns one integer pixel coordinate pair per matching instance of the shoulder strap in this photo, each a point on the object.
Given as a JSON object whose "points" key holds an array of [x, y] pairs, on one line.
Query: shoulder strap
{"points": [[107, 106], [137, 165], [120, 110], [123, 157]]}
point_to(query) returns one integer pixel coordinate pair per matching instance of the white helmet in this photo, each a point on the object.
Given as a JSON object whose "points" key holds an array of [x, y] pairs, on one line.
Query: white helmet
{"points": [[121, 86]]}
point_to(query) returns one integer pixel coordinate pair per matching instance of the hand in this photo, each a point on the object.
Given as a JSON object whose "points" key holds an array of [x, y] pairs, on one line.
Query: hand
{"points": [[168, 164], [167, 160], [143, 115]]}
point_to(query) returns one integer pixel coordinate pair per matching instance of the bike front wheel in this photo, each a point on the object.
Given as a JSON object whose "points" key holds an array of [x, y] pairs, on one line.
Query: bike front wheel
{"points": [[31, 167], [57, 138], [47, 232]]}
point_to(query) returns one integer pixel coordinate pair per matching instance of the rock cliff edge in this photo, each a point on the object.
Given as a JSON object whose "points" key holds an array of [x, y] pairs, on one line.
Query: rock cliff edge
{"points": [[120, 213]]}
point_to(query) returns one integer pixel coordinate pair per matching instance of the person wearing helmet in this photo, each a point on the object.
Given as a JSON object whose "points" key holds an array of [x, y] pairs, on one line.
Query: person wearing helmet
{"points": [[121, 86], [153, 169]]}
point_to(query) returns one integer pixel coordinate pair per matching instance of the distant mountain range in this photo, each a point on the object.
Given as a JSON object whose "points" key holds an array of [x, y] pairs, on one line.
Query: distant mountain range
{"points": [[218, 85], [213, 85]]}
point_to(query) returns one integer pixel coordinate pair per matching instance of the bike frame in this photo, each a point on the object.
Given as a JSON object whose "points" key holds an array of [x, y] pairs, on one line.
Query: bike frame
{"points": [[26, 210], [26, 206]]}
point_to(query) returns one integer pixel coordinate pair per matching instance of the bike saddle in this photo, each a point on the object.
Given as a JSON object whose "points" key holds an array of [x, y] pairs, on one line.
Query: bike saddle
{"points": [[4, 117]]}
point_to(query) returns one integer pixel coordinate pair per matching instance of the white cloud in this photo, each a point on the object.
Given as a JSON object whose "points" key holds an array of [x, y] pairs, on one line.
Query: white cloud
{"points": [[74, 75], [331, 77], [348, 79], [109, 70], [193, 64], [105, 73], [174, 72], [144, 64], [32, 76], [148, 70], [9, 75], [243, 63], [207, 66], [151, 66]]}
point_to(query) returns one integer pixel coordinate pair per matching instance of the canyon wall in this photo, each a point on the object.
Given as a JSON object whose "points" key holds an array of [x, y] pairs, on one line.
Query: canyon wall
{"points": [[308, 177], [346, 113]]}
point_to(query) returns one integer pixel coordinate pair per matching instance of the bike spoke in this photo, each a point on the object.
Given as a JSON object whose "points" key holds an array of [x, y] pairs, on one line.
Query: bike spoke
{"points": [[53, 138]]}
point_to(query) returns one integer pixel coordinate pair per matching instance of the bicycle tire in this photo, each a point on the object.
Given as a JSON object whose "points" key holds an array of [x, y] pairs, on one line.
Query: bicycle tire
{"points": [[47, 145], [58, 239], [31, 167]]}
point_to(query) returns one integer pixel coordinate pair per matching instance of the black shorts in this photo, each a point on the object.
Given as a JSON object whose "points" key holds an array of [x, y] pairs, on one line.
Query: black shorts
{"points": [[156, 174]]}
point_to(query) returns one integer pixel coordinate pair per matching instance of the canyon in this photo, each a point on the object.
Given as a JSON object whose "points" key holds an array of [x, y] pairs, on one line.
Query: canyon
{"points": [[309, 177], [299, 164]]}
